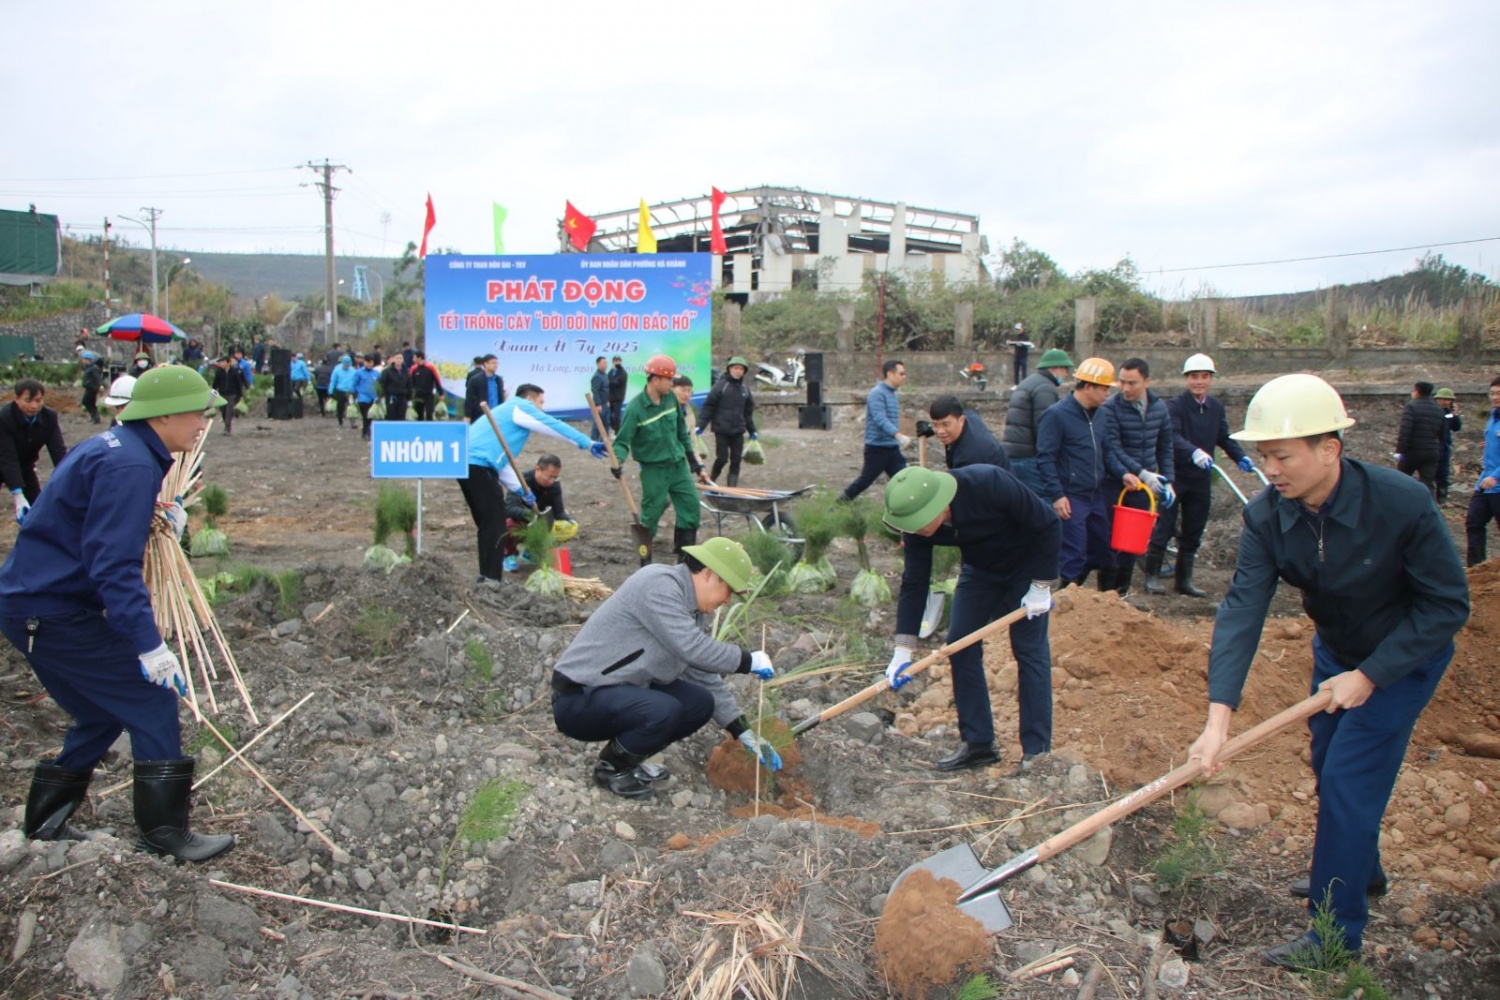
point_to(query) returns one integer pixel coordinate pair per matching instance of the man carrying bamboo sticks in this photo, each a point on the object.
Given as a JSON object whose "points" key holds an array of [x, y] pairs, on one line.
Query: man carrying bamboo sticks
{"points": [[73, 601]]}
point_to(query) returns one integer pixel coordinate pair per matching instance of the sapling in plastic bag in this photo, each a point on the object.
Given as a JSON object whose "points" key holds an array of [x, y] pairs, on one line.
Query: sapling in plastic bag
{"points": [[857, 519], [818, 522]]}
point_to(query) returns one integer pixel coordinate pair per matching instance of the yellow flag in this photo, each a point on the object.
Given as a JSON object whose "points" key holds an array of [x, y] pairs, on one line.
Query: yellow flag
{"points": [[645, 241]]}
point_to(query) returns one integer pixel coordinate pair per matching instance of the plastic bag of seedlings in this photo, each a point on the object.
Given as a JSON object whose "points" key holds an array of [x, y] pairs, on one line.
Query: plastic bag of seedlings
{"points": [[869, 589], [210, 542], [811, 578], [754, 454], [330, 405], [546, 580], [242, 408], [377, 410], [380, 557]]}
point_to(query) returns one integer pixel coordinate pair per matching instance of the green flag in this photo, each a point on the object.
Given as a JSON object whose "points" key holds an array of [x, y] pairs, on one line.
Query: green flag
{"points": [[500, 214]]}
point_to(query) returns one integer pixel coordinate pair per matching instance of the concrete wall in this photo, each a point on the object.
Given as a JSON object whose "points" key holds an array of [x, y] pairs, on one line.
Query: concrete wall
{"points": [[54, 335]]}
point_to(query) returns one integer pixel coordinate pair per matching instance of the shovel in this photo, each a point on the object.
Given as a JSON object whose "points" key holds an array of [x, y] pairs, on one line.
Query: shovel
{"points": [[505, 448], [638, 533], [1059, 604], [1225, 476], [981, 900]]}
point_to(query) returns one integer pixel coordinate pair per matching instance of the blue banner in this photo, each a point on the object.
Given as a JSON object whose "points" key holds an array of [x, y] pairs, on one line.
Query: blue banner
{"points": [[411, 449], [548, 317]]}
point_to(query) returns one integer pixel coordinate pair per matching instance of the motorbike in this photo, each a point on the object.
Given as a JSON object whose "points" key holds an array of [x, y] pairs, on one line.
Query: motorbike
{"points": [[973, 375], [793, 376]]}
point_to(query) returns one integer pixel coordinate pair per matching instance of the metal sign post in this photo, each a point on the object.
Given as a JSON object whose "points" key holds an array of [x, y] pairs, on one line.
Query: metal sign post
{"points": [[411, 449]]}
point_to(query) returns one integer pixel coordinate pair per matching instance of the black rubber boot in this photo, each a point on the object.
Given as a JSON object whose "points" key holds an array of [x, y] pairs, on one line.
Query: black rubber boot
{"points": [[616, 770], [162, 789], [1154, 557], [1123, 576], [1106, 577], [55, 793], [682, 537], [734, 479], [1185, 562]]}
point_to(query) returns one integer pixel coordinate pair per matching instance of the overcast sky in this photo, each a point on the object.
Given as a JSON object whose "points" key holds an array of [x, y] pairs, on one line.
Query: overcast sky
{"points": [[1181, 134]]}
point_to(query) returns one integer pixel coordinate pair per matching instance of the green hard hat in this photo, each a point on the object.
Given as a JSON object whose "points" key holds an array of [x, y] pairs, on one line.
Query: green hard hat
{"points": [[726, 558], [170, 389], [1055, 358], [736, 360], [1444, 394], [915, 496]]}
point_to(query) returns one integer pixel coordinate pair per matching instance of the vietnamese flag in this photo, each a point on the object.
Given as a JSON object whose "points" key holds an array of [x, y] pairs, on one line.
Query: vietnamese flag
{"points": [[579, 227], [716, 241], [427, 226]]}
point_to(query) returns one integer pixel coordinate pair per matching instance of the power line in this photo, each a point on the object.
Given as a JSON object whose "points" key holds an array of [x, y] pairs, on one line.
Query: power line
{"points": [[1326, 256], [139, 177]]}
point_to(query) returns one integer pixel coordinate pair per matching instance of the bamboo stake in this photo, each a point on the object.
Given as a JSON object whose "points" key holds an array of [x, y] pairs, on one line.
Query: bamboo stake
{"points": [[258, 737], [510, 985], [760, 712], [325, 904]]}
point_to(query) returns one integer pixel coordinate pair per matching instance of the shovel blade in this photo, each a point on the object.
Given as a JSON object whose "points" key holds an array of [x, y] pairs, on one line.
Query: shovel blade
{"points": [[961, 865], [641, 537]]}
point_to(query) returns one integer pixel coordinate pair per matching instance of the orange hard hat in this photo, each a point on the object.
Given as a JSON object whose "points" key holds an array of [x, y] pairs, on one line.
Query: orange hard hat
{"points": [[661, 364], [1096, 371]]}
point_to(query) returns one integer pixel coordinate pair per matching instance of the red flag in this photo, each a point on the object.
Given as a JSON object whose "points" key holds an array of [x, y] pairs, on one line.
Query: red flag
{"points": [[427, 226], [580, 227], [716, 237]]}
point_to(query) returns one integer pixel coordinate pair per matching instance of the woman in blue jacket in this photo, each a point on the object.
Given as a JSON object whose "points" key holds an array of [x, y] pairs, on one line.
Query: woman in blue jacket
{"points": [[366, 380], [340, 385]]}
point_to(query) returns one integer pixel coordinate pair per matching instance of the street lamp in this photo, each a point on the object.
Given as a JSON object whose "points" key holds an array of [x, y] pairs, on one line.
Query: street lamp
{"points": [[171, 271], [150, 228]]}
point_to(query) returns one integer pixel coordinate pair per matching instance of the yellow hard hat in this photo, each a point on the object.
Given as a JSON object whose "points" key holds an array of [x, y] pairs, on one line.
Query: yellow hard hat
{"points": [[1096, 371], [1293, 406]]}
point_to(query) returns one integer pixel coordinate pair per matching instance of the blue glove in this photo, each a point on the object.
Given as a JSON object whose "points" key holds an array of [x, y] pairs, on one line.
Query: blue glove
{"points": [[763, 751], [1168, 495], [760, 665], [23, 506], [599, 450], [699, 432], [754, 436], [895, 673], [1246, 465], [528, 498]]}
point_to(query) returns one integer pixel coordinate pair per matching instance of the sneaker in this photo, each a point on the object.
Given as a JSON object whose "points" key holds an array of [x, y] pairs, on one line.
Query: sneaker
{"points": [[527, 559], [512, 564]]}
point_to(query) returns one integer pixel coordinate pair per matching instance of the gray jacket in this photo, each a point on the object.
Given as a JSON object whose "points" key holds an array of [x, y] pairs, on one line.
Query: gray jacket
{"points": [[650, 632], [1028, 401]]}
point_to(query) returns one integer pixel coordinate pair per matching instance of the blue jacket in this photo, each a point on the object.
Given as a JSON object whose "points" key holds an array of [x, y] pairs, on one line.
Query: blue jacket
{"points": [[342, 379], [1490, 461], [249, 370], [1199, 425], [517, 418], [364, 384], [83, 544], [882, 414], [1138, 441], [1001, 529], [1070, 449], [300, 372], [1378, 571]]}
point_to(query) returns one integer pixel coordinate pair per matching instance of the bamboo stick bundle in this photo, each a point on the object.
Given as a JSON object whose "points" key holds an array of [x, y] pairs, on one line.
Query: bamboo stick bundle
{"points": [[585, 588]]}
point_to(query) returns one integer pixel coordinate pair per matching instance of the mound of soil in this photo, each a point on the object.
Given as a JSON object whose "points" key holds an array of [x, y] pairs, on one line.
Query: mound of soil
{"points": [[924, 941]]}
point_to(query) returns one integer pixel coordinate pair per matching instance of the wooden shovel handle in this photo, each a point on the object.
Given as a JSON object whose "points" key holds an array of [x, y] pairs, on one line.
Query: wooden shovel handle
{"points": [[505, 448], [1086, 828], [614, 461]]}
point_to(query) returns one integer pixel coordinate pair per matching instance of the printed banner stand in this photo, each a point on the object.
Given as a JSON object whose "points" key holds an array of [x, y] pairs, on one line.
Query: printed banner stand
{"points": [[411, 449]]}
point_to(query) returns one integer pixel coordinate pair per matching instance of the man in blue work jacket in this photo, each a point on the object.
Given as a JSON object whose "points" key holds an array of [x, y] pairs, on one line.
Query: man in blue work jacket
{"points": [[1008, 544], [1381, 580], [883, 437], [73, 601], [1070, 445]]}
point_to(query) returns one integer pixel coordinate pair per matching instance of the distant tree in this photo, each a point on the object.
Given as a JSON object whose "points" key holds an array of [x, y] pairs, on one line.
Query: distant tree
{"points": [[1023, 266]]}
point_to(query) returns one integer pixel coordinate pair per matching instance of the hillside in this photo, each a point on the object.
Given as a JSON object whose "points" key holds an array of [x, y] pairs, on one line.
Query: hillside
{"points": [[286, 275]]}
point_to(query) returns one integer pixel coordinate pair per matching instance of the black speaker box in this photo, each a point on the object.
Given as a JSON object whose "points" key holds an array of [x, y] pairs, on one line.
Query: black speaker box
{"points": [[813, 362], [815, 394], [818, 418], [289, 408], [281, 373]]}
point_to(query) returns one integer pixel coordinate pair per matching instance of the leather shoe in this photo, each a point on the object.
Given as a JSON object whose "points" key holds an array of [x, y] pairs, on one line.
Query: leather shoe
{"points": [[1302, 888], [969, 755], [1301, 954]]}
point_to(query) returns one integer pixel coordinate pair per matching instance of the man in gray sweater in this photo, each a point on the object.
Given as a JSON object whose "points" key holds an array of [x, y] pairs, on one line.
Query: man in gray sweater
{"points": [[643, 674]]}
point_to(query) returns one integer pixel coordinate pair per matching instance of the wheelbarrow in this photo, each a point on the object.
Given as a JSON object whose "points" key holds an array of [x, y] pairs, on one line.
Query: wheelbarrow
{"points": [[762, 508]]}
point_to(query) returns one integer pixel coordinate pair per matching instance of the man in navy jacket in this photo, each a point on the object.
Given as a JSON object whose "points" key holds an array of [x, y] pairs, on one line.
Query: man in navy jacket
{"points": [[1070, 445], [1139, 455], [966, 440], [26, 427]]}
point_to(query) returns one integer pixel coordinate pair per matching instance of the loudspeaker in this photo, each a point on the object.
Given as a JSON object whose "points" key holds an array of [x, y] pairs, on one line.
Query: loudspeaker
{"points": [[281, 373], [284, 409], [813, 366], [815, 394], [818, 418]]}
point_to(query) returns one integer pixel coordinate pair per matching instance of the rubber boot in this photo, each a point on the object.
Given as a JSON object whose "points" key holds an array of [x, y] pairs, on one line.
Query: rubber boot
{"points": [[55, 793], [1123, 576], [1154, 557], [682, 537], [734, 479], [616, 770], [162, 788], [1185, 562], [1106, 578]]}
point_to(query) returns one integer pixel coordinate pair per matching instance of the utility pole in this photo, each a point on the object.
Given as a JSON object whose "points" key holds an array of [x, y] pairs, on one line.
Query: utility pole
{"points": [[325, 186], [106, 265], [153, 214]]}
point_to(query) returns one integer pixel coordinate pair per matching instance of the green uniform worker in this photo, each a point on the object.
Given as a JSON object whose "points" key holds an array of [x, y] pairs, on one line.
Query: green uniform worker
{"points": [[654, 432]]}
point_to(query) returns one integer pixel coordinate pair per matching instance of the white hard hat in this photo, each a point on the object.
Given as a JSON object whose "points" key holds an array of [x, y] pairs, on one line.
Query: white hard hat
{"points": [[1199, 363], [1293, 406], [120, 391]]}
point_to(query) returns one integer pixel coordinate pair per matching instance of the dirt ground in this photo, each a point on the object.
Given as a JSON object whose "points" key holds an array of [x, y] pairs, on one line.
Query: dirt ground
{"points": [[588, 895]]}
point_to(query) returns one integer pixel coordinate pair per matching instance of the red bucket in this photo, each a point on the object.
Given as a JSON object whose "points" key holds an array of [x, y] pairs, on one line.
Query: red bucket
{"points": [[1131, 531], [564, 560]]}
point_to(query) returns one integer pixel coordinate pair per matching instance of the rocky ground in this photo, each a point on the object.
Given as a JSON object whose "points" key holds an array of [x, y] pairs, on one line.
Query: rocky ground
{"points": [[425, 753]]}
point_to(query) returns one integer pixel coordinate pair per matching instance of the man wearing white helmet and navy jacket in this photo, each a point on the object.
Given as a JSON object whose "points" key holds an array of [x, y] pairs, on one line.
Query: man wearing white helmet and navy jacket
{"points": [[1199, 424], [1382, 583]]}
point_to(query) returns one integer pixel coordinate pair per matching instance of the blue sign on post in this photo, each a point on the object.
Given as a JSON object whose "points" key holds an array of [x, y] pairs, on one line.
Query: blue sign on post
{"points": [[412, 449]]}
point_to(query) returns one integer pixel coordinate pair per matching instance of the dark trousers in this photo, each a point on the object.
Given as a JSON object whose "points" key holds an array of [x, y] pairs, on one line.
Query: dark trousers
{"points": [[423, 405], [727, 448], [364, 418], [31, 486], [1444, 476], [1483, 508], [395, 408], [878, 459], [93, 673], [616, 409], [979, 599], [486, 499], [1424, 469], [1355, 756], [1193, 500], [322, 398], [642, 719], [90, 404], [340, 404], [298, 388], [227, 411], [1085, 536], [1019, 366]]}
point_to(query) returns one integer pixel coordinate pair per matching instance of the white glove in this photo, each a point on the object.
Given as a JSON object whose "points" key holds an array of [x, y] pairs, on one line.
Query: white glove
{"points": [[1152, 480], [760, 665], [764, 752], [902, 440], [1038, 600], [23, 506], [160, 666], [1202, 459], [176, 516], [895, 674]]}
